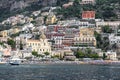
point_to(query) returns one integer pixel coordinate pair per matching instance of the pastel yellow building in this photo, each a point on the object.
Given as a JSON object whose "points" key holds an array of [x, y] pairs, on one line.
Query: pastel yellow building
{"points": [[40, 45], [86, 37], [16, 30], [4, 33], [51, 19]]}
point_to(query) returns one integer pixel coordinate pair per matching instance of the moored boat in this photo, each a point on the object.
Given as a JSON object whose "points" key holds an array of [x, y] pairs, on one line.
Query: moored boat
{"points": [[15, 61]]}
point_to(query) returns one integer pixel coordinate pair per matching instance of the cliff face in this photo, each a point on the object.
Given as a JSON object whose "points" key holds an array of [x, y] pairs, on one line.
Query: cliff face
{"points": [[11, 7], [19, 4]]}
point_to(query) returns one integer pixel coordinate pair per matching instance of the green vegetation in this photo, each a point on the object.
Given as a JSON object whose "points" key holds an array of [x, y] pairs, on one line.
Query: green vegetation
{"points": [[87, 53], [46, 53], [71, 11], [34, 53], [107, 29], [1, 43], [21, 45], [102, 43], [61, 2], [104, 56], [80, 54], [98, 38], [12, 43], [5, 11], [55, 56], [105, 9], [15, 35]]}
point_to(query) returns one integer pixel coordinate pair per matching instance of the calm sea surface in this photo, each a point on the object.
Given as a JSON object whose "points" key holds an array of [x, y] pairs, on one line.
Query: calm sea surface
{"points": [[60, 72]]}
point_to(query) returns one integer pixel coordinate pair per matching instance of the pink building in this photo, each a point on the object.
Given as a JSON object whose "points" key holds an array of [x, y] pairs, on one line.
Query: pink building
{"points": [[88, 15]]}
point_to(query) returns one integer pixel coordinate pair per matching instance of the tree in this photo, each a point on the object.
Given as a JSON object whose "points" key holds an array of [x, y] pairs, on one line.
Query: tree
{"points": [[88, 51], [104, 56], [46, 53], [76, 2], [21, 45], [93, 56], [56, 56], [106, 29], [80, 54], [34, 53], [12, 43], [40, 55], [99, 39]]}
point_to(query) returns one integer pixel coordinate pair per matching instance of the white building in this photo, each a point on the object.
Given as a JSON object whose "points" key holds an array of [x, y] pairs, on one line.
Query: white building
{"points": [[111, 55], [1, 48], [88, 1], [108, 23], [76, 23], [26, 53], [113, 39]]}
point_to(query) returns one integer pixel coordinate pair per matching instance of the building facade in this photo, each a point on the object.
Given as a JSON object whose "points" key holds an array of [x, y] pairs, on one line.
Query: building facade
{"points": [[114, 39], [88, 15], [51, 19], [108, 23], [88, 1], [85, 38], [41, 45], [111, 55]]}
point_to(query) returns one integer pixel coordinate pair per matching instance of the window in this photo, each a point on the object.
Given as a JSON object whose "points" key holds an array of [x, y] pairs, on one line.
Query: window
{"points": [[40, 49]]}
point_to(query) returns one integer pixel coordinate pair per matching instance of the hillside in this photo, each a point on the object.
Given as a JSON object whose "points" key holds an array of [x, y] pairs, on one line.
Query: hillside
{"points": [[12, 7], [105, 9]]}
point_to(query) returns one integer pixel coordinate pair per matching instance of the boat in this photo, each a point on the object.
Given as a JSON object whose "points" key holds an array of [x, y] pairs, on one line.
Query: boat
{"points": [[15, 61]]}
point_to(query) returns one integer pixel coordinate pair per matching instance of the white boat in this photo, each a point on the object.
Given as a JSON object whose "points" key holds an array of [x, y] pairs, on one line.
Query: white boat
{"points": [[15, 61]]}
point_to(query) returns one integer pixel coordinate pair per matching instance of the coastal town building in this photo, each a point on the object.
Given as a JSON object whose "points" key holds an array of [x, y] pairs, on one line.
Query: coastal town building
{"points": [[69, 55], [27, 53], [111, 55], [41, 45], [113, 24], [85, 38], [7, 52], [40, 20], [114, 39], [88, 15], [3, 39], [76, 23], [51, 19], [88, 1], [18, 19], [3, 33], [6, 33], [67, 4]]}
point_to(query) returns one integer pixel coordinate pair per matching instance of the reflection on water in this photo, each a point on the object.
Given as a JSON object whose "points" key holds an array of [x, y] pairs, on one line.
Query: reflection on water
{"points": [[60, 72]]}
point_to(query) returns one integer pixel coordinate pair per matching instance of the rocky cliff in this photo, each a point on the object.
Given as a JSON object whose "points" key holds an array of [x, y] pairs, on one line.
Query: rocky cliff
{"points": [[12, 7], [19, 4]]}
